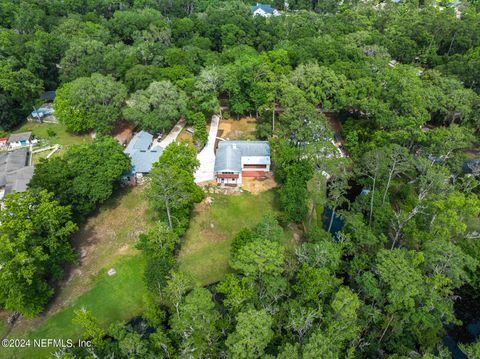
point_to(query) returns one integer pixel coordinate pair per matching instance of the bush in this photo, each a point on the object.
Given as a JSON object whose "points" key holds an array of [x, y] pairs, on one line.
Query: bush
{"points": [[51, 132]]}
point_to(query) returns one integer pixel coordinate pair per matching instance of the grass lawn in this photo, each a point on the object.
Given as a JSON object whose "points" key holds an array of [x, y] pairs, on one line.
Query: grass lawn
{"points": [[119, 297], [105, 241], [206, 248], [61, 137]]}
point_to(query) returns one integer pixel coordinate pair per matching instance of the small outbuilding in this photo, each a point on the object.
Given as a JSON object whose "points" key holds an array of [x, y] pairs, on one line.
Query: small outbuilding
{"points": [[17, 140]]}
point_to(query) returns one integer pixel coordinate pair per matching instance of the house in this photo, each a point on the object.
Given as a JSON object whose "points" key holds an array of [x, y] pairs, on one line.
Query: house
{"points": [[17, 140], [3, 143], [43, 114], [472, 166], [264, 10], [48, 96], [142, 155], [237, 159], [15, 172]]}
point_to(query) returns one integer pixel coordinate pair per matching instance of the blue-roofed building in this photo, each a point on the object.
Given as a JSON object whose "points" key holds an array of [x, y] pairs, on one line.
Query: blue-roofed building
{"points": [[237, 159], [142, 155], [140, 142], [264, 10]]}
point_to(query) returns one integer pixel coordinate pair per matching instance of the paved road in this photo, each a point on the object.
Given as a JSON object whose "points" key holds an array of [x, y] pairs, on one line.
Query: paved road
{"points": [[172, 136], [207, 155]]}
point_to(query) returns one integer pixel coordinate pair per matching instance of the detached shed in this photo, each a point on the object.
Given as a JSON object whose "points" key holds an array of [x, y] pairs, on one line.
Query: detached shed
{"points": [[17, 140]]}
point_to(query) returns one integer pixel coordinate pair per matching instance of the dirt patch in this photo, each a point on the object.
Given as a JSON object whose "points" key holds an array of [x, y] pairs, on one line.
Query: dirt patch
{"points": [[123, 132], [185, 136], [242, 129], [256, 185], [213, 235]]}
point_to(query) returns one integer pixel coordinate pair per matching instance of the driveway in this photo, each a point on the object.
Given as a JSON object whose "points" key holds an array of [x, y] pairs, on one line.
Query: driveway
{"points": [[207, 155], [172, 135]]}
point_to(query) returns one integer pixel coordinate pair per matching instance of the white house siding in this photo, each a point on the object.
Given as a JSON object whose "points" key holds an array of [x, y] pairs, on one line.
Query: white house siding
{"points": [[256, 160]]}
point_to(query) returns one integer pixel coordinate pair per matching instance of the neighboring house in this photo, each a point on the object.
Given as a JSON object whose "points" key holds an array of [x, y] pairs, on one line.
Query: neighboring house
{"points": [[142, 156], [472, 166], [17, 140], [15, 173], [264, 10], [237, 159], [43, 114], [48, 96]]}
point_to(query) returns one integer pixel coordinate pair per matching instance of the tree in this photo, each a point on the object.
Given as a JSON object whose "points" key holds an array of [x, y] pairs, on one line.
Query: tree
{"points": [[319, 83], [293, 193], [158, 246], [35, 244], [180, 154], [200, 134], [196, 325], [91, 329], [372, 166], [336, 196], [303, 125], [178, 284], [82, 59], [171, 184], [85, 176], [18, 89], [158, 107], [251, 336], [88, 103], [259, 258], [471, 350]]}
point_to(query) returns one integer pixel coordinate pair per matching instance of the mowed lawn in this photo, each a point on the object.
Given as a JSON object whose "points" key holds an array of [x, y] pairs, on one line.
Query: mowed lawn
{"points": [[119, 297], [107, 240], [51, 134], [206, 248]]}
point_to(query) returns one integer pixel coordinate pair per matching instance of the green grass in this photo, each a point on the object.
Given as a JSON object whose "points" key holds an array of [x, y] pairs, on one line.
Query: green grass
{"points": [[119, 297], [109, 237], [206, 250], [62, 137]]}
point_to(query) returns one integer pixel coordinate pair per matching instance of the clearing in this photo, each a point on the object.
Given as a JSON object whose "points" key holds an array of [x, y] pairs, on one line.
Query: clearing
{"points": [[51, 134], [105, 241], [256, 185], [206, 248], [242, 129]]}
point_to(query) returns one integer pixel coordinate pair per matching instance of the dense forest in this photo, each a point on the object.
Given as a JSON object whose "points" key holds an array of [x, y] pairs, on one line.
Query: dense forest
{"points": [[403, 79]]}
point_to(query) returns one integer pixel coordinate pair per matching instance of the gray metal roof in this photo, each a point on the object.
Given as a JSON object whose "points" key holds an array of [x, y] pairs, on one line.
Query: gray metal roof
{"points": [[229, 154], [48, 96], [15, 174], [142, 161], [140, 142], [17, 137], [143, 157]]}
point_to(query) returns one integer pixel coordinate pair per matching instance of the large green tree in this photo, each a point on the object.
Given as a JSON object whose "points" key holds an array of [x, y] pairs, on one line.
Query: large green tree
{"points": [[35, 235], [85, 176], [88, 103], [158, 107]]}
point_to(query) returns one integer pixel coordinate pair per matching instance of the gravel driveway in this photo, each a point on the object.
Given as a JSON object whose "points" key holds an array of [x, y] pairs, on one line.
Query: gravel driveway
{"points": [[207, 155]]}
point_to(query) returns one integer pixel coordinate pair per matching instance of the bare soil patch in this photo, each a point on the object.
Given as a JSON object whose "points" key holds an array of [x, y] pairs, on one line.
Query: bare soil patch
{"points": [[242, 129], [256, 185]]}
